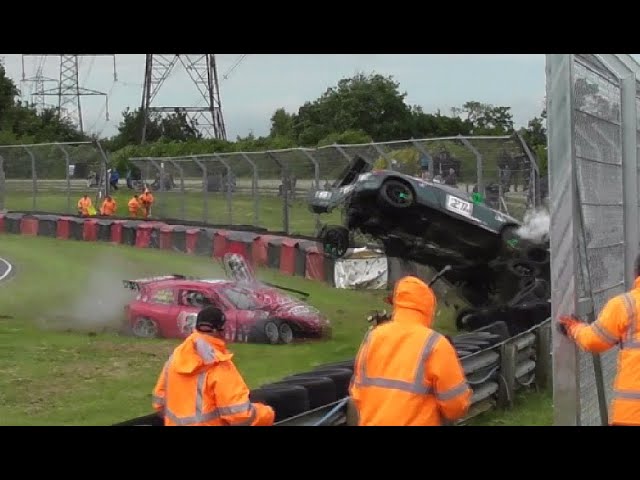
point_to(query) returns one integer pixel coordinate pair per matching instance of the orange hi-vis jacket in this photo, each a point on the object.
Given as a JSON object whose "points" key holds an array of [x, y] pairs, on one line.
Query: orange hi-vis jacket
{"points": [[200, 386], [618, 324], [84, 204], [108, 207], [406, 374], [146, 198], [133, 205]]}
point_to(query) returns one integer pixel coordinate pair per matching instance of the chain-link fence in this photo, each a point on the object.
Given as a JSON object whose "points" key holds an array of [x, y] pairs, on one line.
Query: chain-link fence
{"points": [[593, 140], [267, 189], [51, 177]]}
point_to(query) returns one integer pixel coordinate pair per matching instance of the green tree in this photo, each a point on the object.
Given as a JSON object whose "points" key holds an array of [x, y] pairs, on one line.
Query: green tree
{"points": [[486, 119]]}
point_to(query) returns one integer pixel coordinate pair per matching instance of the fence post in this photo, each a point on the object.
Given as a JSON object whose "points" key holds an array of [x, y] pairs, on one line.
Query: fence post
{"points": [[544, 368], [507, 372], [254, 190], [105, 163], [284, 175], [155, 164], [2, 183], [316, 170], [67, 161], [180, 170], [228, 193], [424, 152], [34, 178], [629, 175], [479, 163], [205, 197], [534, 177]]}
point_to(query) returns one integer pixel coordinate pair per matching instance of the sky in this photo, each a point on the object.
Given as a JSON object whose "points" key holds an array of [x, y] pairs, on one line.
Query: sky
{"points": [[262, 83]]}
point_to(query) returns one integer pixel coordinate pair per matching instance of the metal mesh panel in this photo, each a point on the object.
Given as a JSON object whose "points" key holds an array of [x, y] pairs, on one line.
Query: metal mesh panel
{"points": [[598, 149], [50, 176]]}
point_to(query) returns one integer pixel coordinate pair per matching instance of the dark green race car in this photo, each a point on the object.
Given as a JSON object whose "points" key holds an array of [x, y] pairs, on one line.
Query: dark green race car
{"points": [[435, 225]]}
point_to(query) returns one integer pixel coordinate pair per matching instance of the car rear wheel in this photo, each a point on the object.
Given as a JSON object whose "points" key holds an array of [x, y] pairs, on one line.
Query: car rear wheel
{"points": [[335, 241], [396, 194], [145, 328], [286, 333]]}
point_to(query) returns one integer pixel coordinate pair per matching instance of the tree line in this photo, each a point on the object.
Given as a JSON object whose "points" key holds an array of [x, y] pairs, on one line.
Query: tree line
{"points": [[359, 109]]}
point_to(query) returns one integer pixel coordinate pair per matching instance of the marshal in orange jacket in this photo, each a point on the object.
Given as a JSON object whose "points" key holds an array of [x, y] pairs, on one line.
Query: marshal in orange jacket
{"points": [[200, 386], [406, 374], [617, 324]]}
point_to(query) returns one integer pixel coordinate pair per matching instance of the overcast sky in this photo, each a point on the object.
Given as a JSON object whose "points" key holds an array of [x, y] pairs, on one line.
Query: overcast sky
{"points": [[262, 83]]}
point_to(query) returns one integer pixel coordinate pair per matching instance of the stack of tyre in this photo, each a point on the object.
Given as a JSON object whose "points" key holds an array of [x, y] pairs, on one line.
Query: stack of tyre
{"points": [[302, 392]]}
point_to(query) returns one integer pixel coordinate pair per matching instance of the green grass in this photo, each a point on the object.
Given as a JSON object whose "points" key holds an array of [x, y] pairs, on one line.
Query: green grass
{"points": [[534, 409], [60, 365]]}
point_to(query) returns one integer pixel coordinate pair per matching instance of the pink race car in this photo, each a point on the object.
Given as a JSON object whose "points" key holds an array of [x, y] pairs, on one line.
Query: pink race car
{"points": [[256, 312]]}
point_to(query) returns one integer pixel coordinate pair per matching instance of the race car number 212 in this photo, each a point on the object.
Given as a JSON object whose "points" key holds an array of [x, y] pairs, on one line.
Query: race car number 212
{"points": [[459, 206]]}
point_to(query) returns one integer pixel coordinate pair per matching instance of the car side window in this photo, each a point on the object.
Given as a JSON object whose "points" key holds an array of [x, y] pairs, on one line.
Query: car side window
{"points": [[240, 299], [195, 298], [164, 296]]}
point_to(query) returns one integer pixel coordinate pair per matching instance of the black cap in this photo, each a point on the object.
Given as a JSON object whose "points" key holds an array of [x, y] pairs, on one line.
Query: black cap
{"points": [[210, 318]]}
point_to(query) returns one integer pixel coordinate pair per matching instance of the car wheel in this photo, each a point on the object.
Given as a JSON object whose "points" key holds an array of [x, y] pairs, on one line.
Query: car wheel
{"points": [[145, 328], [286, 333], [335, 241], [272, 332], [286, 400], [397, 194]]}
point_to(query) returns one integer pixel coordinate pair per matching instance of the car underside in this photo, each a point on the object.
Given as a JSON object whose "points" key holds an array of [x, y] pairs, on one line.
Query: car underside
{"points": [[499, 274]]}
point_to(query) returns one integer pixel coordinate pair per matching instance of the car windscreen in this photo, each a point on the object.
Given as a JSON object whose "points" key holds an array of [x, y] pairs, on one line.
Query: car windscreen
{"points": [[240, 298]]}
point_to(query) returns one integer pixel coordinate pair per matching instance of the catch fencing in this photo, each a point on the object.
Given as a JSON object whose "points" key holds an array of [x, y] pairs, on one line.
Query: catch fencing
{"points": [[269, 189], [592, 106], [51, 176]]}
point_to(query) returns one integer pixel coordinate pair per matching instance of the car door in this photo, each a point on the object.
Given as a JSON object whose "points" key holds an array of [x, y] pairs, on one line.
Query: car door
{"points": [[160, 306]]}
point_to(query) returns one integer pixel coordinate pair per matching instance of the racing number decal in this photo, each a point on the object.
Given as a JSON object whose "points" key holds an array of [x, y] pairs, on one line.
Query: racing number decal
{"points": [[459, 206]]}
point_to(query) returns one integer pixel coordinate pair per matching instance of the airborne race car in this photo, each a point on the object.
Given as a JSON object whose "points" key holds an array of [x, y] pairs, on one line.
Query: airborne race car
{"points": [[500, 274], [256, 312]]}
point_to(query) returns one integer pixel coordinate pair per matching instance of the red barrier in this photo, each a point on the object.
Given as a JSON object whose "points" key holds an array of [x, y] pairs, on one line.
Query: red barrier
{"points": [[288, 256], [143, 235], [29, 226], [260, 250], [116, 231], [191, 240], [166, 237], [1, 222], [90, 230], [63, 228], [220, 243], [314, 264]]}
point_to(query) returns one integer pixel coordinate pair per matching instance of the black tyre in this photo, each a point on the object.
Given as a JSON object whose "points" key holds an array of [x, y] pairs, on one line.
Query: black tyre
{"points": [[348, 364], [522, 268], [396, 194], [144, 327], [321, 390], [285, 399], [272, 332], [285, 333], [341, 378], [335, 241]]}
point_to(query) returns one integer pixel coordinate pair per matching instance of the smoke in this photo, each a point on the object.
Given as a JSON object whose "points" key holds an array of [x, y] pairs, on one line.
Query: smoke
{"points": [[535, 226], [99, 300]]}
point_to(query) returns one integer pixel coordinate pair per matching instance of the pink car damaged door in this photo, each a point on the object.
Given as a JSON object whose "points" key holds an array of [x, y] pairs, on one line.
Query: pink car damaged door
{"points": [[191, 301]]}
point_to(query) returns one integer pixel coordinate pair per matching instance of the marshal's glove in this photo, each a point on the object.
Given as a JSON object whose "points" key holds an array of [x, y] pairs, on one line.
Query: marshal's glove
{"points": [[567, 323]]}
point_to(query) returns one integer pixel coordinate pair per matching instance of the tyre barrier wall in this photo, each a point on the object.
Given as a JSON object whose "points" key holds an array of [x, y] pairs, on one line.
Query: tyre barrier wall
{"points": [[496, 366]]}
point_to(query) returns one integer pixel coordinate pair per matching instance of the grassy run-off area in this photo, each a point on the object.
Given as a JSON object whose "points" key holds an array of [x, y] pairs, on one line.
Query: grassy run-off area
{"points": [[61, 364]]}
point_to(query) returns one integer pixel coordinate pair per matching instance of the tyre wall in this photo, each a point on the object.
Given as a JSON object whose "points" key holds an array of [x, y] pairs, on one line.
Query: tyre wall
{"points": [[496, 366]]}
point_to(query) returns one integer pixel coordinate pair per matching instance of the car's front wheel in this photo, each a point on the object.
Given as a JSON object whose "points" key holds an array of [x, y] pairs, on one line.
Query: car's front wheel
{"points": [[396, 194], [145, 328]]}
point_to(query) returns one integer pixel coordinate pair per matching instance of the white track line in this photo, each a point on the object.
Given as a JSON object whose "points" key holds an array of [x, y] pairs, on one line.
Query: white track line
{"points": [[7, 271]]}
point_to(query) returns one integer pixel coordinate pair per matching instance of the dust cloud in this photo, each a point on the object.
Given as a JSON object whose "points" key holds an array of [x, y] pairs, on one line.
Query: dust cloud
{"points": [[98, 303], [535, 226]]}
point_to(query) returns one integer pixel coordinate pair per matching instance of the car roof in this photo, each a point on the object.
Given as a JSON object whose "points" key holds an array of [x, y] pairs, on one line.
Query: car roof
{"points": [[190, 283]]}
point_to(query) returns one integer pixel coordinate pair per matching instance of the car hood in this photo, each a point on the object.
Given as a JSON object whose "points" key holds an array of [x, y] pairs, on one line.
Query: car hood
{"points": [[277, 303]]}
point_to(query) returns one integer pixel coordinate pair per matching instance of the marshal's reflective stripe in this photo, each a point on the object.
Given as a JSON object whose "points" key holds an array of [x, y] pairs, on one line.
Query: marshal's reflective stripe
{"points": [[417, 386], [206, 351], [629, 340], [603, 334], [627, 394], [158, 400]]}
